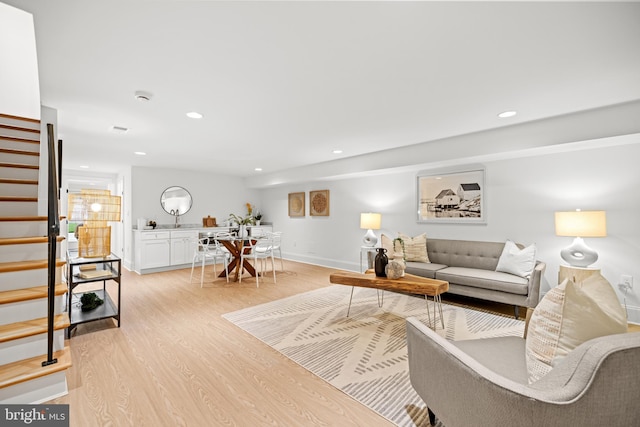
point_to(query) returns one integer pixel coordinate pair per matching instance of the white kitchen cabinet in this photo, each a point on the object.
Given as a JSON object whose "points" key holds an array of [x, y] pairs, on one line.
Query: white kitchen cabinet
{"points": [[183, 244], [152, 250], [166, 249]]}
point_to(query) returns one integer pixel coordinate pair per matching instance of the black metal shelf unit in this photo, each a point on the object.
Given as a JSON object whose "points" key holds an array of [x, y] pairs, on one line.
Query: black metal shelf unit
{"points": [[101, 269]]}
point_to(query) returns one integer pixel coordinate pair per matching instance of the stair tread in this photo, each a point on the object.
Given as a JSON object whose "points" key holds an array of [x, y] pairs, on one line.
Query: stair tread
{"points": [[19, 128], [19, 166], [19, 181], [24, 218], [21, 118], [28, 328], [20, 152], [27, 240], [18, 199], [29, 369], [18, 139], [6, 267], [27, 294]]}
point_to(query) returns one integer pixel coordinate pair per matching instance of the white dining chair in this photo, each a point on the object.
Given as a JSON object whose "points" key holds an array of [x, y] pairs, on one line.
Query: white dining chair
{"points": [[208, 248], [276, 239], [260, 250]]}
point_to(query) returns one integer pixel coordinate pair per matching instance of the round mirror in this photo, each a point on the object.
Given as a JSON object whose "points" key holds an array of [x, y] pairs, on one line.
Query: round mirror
{"points": [[176, 201]]}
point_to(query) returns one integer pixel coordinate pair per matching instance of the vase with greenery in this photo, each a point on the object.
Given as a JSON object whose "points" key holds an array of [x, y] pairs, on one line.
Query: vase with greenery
{"points": [[257, 216], [401, 242], [242, 222]]}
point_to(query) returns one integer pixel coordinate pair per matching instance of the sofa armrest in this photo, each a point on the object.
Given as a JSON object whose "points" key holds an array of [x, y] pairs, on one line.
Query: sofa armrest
{"points": [[533, 295]]}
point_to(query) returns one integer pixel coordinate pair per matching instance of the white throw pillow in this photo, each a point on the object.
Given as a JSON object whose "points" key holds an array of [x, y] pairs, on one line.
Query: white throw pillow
{"points": [[415, 248], [514, 260], [567, 316]]}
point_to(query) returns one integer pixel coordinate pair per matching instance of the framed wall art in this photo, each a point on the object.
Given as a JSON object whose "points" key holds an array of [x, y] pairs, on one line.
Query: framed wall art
{"points": [[296, 204], [319, 203], [451, 196]]}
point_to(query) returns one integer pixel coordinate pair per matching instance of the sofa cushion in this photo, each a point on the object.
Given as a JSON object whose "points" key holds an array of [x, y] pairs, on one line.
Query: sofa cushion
{"points": [[567, 316], [465, 253], [514, 260], [389, 244], [486, 279], [423, 269], [415, 248]]}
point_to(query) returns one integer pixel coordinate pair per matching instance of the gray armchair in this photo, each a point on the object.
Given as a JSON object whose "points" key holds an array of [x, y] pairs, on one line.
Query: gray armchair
{"points": [[484, 382]]}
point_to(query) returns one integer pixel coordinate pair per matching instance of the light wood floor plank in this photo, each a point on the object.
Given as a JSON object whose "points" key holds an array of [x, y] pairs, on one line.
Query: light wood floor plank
{"points": [[176, 362]]}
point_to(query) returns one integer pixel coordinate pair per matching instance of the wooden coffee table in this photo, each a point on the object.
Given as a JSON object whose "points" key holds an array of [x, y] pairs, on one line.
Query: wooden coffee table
{"points": [[409, 283]]}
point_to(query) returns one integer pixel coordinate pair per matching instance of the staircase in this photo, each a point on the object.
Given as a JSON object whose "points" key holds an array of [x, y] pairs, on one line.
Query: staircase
{"points": [[24, 275]]}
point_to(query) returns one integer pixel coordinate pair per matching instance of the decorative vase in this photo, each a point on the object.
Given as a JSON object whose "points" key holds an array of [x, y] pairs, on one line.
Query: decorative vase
{"points": [[257, 222], [395, 269], [242, 232], [380, 262]]}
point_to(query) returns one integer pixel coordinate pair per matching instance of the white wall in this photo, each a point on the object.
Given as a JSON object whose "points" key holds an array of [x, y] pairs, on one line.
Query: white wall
{"points": [[213, 194], [19, 84], [522, 195]]}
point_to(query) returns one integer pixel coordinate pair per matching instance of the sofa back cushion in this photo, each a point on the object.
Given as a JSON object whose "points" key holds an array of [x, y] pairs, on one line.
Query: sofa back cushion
{"points": [[465, 253]]}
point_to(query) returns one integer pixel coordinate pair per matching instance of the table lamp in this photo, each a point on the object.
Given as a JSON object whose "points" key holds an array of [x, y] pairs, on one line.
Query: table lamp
{"points": [[370, 221], [94, 208], [580, 224]]}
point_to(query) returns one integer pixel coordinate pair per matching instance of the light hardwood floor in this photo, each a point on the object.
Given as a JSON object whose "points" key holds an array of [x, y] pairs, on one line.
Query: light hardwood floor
{"points": [[176, 362]]}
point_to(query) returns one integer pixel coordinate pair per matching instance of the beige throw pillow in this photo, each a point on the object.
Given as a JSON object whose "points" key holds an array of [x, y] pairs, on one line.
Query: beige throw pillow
{"points": [[415, 248], [392, 247], [567, 316]]}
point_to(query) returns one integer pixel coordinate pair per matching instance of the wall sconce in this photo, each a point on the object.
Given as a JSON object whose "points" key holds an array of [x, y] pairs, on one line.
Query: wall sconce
{"points": [[580, 224], [94, 208], [370, 221]]}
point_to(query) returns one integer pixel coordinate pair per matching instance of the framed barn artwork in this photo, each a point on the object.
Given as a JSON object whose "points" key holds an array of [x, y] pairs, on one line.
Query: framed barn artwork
{"points": [[451, 196]]}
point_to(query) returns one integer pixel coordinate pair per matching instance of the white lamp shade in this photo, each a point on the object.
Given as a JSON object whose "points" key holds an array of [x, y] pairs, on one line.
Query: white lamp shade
{"points": [[370, 221], [581, 224]]}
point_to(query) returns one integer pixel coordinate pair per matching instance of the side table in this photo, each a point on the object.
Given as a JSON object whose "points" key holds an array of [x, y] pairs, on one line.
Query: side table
{"points": [[89, 270], [576, 274]]}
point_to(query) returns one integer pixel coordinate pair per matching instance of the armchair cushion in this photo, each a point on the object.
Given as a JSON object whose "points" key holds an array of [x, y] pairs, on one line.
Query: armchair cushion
{"points": [[567, 316]]}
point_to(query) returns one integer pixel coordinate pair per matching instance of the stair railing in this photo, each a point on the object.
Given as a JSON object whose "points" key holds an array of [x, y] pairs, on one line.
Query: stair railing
{"points": [[53, 230]]}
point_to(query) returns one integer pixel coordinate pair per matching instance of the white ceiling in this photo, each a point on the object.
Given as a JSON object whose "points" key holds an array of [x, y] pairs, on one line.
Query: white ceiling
{"points": [[282, 84]]}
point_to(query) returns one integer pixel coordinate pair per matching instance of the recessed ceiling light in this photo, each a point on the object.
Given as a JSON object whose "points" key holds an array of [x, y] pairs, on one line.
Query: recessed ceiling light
{"points": [[258, 169], [142, 96], [337, 151], [140, 153], [119, 129], [506, 114], [84, 167], [194, 115]]}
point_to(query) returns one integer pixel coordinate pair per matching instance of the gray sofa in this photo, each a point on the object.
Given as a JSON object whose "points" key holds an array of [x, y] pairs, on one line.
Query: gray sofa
{"points": [[484, 382], [469, 267]]}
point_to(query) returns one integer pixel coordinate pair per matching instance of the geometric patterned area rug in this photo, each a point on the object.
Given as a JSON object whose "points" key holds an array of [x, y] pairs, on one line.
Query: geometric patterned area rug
{"points": [[365, 354]]}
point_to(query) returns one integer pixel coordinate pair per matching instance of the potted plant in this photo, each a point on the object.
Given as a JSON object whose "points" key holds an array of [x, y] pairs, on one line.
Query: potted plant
{"points": [[242, 222]]}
